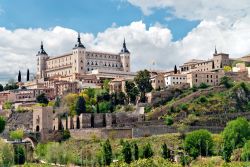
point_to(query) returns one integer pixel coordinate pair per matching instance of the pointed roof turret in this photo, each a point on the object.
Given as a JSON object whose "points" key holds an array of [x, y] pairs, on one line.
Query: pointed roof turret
{"points": [[215, 50], [124, 48], [42, 51], [79, 43]]}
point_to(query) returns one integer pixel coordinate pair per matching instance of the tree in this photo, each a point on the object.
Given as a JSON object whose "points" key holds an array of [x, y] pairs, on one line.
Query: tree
{"points": [[19, 78], [107, 153], [7, 154], [132, 91], [1, 88], [126, 152], [142, 80], [80, 105], [136, 152], [106, 84], [28, 75], [234, 136], [203, 86], [245, 155], [147, 151], [165, 152], [227, 68], [2, 124], [42, 99], [175, 70], [199, 142], [19, 155], [226, 81]]}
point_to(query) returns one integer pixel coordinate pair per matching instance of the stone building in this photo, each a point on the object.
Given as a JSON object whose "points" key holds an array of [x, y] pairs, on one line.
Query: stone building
{"points": [[81, 61], [157, 81], [175, 79]]}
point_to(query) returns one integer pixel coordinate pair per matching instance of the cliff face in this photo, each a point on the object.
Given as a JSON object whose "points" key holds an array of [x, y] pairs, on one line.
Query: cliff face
{"points": [[16, 120]]}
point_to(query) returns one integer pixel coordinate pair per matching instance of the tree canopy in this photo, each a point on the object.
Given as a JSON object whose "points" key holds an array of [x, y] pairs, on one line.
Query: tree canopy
{"points": [[80, 105]]}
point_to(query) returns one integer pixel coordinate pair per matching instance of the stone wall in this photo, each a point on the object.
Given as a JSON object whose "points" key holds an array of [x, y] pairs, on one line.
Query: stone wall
{"points": [[100, 133]]}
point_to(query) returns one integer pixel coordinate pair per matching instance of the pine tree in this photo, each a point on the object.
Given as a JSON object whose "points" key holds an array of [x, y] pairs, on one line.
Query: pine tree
{"points": [[107, 152], [28, 75], [136, 152], [19, 76], [80, 105], [126, 152], [175, 70], [165, 151]]}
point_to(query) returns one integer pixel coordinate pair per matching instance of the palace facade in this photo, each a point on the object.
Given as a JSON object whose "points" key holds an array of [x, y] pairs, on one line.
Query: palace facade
{"points": [[82, 61]]}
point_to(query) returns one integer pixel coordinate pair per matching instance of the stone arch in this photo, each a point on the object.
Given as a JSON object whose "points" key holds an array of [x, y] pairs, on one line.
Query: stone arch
{"points": [[37, 128], [31, 140]]}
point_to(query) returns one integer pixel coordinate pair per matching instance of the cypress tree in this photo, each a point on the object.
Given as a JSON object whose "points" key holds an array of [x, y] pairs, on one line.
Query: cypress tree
{"points": [[136, 152], [175, 69], [19, 78], [127, 153], [107, 152], [165, 151], [28, 75], [147, 151], [80, 105]]}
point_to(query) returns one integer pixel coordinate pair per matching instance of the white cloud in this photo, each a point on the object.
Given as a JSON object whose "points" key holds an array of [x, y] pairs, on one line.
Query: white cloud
{"points": [[19, 47], [196, 9]]}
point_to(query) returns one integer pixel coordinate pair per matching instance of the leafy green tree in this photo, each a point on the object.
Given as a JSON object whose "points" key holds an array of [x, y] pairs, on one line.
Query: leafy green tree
{"points": [[169, 120], [1, 88], [234, 136], [203, 86], [80, 105], [245, 155], [11, 85], [165, 152], [42, 99], [57, 102], [132, 91], [136, 151], [226, 81], [6, 154], [147, 151], [106, 84], [19, 155], [199, 142], [142, 80], [107, 153], [2, 124], [127, 152]]}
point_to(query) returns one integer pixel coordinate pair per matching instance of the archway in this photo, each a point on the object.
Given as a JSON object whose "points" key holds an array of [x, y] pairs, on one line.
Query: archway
{"points": [[37, 128]]}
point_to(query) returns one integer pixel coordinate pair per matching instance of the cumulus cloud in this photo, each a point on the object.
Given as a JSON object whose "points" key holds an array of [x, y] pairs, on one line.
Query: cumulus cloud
{"points": [[18, 48], [196, 9]]}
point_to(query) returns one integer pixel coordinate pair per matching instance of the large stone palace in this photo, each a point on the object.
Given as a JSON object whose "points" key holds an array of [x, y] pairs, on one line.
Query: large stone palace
{"points": [[81, 61]]}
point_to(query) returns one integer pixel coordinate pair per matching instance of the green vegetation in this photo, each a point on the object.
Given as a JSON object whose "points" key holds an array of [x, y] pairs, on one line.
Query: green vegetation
{"points": [[6, 154], [7, 105], [42, 99], [19, 155], [165, 151], [147, 151], [2, 124], [17, 134], [127, 152], [245, 156], [106, 153]]}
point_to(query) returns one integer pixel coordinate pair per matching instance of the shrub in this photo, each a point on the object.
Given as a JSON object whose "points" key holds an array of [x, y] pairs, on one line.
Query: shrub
{"points": [[136, 152], [169, 120], [234, 136], [226, 81], [66, 134], [17, 134], [185, 160], [42, 99], [184, 107], [245, 156], [6, 154], [147, 151], [7, 105], [199, 142], [202, 99], [128, 108], [203, 86], [19, 155]]}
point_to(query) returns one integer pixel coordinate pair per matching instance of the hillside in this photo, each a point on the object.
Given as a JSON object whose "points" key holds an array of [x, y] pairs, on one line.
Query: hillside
{"points": [[212, 106]]}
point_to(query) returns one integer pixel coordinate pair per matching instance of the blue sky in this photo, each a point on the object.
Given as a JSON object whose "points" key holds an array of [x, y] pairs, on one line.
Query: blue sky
{"points": [[91, 16]]}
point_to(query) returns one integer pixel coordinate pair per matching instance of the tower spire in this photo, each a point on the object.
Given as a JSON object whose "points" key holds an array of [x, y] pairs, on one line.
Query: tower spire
{"points": [[215, 50], [79, 43], [124, 48], [42, 51]]}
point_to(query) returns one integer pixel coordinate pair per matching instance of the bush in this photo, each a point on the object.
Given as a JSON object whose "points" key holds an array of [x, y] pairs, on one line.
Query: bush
{"points": [[226, 81], [19, 155], [106, 153], [17, 134], [147, 151], [165, 152], [136, 152], [202, 99], [42, 99], [169, 120], [6, 154], [234, 136], [245, 156], [185, 160], [203, 86], [199, 142], [7, 105], [184, 107], [66, 134]]}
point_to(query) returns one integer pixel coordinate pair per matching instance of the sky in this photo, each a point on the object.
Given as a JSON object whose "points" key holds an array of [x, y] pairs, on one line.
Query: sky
{"points": [[167, 32]]}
